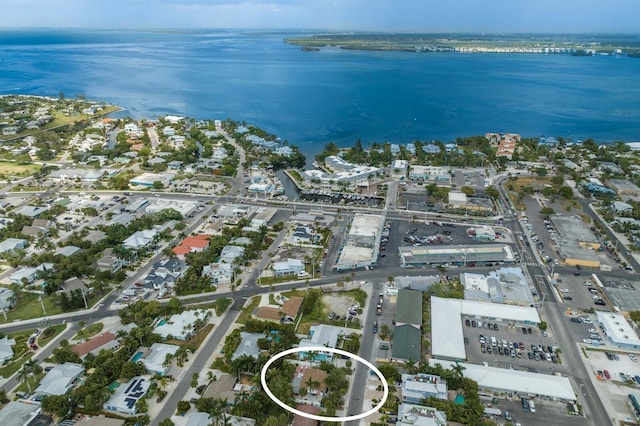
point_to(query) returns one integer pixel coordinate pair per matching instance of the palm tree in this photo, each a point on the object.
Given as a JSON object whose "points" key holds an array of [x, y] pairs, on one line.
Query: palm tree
{"points": [[457, 371], [23, 375], [312, 384], [211, 377]]}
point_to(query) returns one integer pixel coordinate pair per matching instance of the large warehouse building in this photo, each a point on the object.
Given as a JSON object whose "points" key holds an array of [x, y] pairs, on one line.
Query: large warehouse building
{"points": [[413, 257], [447, 339], [360, 249], [575, 241]]}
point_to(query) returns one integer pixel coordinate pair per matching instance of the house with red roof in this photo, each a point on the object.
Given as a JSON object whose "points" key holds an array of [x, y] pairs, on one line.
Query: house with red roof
{"points": [[191, 244]]}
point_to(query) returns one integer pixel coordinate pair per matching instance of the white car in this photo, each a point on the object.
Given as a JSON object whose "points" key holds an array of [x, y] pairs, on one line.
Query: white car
{"points": [[564, 290], [586, 320], [587, 283], [587, 341], [592, 330]]}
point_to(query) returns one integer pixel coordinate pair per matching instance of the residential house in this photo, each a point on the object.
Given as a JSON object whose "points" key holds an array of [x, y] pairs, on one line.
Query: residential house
{"points": [[321, 335], [418, 387], [621, 207], [6, 349], [110, 261], [179, 326], [287, 267], [7, 299], [191, 244], [623, 187], [164, 273], [31, 211], [30, 273], [122, 219], [287, 312], [218, 273], [230, 253], [20, 413], [103, 341], [74, 283], [299, 420], [126, 395], [154, 357], [156, 160], [248, 345], [175, 165], [11, 244], [303, 235], [67, 251], [315, 375], [60, 379], [140, 240]]}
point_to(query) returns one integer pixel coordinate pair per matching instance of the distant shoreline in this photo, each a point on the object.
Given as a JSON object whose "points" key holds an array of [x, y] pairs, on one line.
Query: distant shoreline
{"points": [[430, 43]]}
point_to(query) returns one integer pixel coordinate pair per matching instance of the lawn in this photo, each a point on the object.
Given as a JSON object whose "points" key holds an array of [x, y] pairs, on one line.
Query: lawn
{"points": [[246, 312], [57, 329], [30, 307], [14, 365], [88, 331], [9, 169]]}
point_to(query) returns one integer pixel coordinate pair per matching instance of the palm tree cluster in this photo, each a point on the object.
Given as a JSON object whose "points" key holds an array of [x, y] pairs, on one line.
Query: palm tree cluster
{"points": [[30, 370]]}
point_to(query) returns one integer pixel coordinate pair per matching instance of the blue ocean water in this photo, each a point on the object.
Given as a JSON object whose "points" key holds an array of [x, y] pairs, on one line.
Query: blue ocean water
{"points": [[310, 98]]}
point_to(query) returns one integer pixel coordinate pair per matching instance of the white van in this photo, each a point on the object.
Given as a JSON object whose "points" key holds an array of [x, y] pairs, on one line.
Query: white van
{"points": [[532, 406], [494, 342]]}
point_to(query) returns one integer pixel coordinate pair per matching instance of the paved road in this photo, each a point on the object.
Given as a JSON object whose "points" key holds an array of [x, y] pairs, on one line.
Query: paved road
{"points": [[203, 354], [42, 354], [359, 382]]}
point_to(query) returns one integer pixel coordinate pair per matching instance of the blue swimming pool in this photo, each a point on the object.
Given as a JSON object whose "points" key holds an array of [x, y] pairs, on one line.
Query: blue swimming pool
{"points": [[137, 356], [162, 322]]}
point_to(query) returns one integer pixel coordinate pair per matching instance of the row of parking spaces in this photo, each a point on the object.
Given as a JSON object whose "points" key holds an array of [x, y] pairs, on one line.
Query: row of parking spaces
{"points": [[386, 232], [507, 345], [545, 412]]}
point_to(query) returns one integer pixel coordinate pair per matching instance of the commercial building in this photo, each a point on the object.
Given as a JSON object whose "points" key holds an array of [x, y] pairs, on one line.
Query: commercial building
{"points": [[360, 249], [505, 285], [516, 383], [432, 173], [136, 205], [417, 415], [287, 267], [457, 200], [407, 336], [617, 330], [447, 339], [418, 387], [148, 179], [411, 256], [399, 169], [575, 241], [624, 188], [263, 216]]}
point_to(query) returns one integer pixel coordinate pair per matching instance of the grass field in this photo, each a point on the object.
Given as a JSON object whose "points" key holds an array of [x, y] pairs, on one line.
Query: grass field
{"points": [[246, 312], [29, 307], [9, 169]]}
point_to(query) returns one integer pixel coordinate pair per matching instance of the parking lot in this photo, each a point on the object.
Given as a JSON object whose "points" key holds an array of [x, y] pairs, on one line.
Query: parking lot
{"points": [[581, 292], [504, 353], [547, 413], [382, 348]]}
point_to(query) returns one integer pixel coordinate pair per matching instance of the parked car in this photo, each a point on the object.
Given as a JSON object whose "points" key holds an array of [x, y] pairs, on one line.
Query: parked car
{"points": [[606, 374]]}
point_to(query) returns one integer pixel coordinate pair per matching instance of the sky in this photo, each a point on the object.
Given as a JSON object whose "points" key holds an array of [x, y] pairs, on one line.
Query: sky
{"points": [[490, 16]]}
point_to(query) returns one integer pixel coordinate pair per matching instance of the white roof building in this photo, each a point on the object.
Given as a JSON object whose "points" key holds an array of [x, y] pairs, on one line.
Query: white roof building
{"points": [[12, 244], [447, 340], [60, 379], [322, 335], [618, 330], [230, 253], [153, 359], [248, 345], [140, 239], [179, 326], [289, 266], [126, 395], [417, 415], [6, 350], [17, 413], [219, 273], [520, 382]]}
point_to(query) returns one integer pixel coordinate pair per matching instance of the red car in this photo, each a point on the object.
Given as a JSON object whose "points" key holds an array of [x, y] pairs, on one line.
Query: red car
{"points": [[606, 374]]}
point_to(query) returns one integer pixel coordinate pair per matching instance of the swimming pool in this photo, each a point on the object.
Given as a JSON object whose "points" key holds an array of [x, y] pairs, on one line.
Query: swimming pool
{"points": [[162, 322], [137, 356]]}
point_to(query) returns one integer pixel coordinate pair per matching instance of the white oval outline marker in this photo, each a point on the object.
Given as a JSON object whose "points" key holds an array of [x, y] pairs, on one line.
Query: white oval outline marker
{"points": [[263, 381]]}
